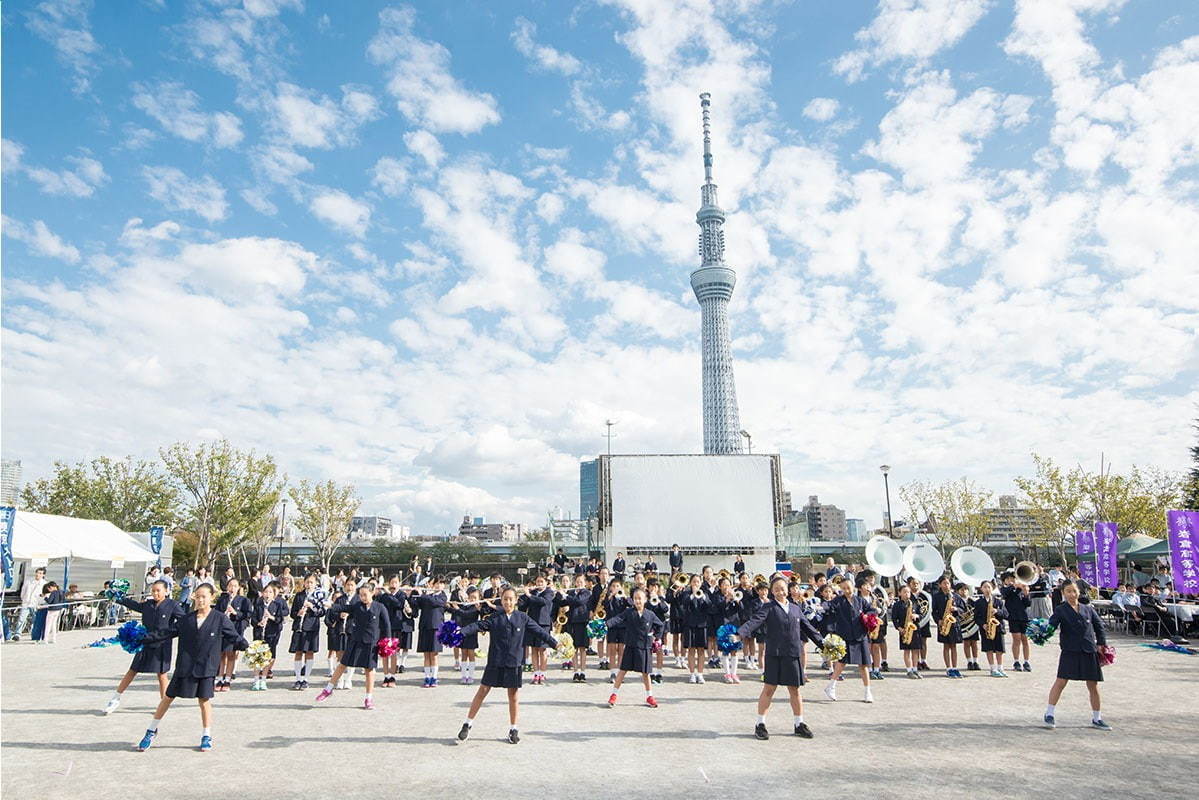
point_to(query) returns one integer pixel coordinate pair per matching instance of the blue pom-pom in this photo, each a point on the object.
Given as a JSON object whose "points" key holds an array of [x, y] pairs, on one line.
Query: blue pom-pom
{"points": [[1039, 631], [597, 629], [724, 639], [131, 636], [450, 634]]}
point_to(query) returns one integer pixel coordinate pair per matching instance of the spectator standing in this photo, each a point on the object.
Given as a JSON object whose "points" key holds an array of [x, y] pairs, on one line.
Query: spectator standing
{"points": [[31, 598]]}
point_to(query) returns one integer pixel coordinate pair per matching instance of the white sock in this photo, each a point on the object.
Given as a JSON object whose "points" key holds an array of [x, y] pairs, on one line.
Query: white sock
{"points": [[428, 672], [511, 728], [404, 659], [369, 696], [463, 668], [434, 671], [298, 666], [733, 664], [1095, 716], [1049, 710], [329, 686], [116, 696], [332, 665], [208, 731], [761, 719], [306, 670], [468, 722], [153, 726], [799, 720]]}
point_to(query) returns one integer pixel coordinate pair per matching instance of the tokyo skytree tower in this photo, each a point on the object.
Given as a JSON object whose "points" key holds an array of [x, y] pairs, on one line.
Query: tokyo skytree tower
{"points": [[713, 283]]}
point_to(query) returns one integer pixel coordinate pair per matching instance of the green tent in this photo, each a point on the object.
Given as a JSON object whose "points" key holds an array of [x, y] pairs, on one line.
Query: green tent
{"points": [[1160, 547], [1132, 546]]}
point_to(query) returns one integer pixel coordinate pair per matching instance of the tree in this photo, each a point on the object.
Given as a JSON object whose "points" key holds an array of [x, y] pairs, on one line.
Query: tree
{"points": [[1054, 499], [1136, 502], [1191, 490], [452, 553], [228, 493], [323, 514], [958, 514], [918, 496], [131, 494], [387, 552]]}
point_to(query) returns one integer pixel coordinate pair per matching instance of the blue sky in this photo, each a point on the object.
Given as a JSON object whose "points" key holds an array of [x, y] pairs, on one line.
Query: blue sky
{"points": [[430, 248]]}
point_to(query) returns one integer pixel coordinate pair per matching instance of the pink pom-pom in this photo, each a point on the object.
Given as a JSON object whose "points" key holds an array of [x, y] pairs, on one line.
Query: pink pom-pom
{"points": [[1107, 655], [387, 647]]}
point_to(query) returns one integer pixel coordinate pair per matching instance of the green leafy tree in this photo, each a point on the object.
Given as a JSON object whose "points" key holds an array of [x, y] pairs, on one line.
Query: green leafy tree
{"points": [[1191, 489], [449, 555], [953, 510], [323, 514], [228, 493], [1137, 502], [131, 494], [385, 551], [1055, 498]]}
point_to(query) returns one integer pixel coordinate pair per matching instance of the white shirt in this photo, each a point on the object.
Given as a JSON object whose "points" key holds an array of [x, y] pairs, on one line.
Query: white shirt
{"points": [[265, 579], [1055, 576], [31, 592]]}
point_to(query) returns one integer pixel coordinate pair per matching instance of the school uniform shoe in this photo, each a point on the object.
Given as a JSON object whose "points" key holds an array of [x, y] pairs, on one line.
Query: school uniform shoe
{"points": [[270, 674], [433, 683], [304, 685], [761, 732], [611, 699], [1100, 725], [112, 705], [463, 732], [566, 665], [513, 737], [699, 678], [874, 675], [885, 668], [923, 665], [868, 697], [802, 730], [146, 741], [205, 743], [297, 686], [736, 678], [728, 678], [830, 692], [657, 678], [368, 704], [650, 701], [324, 695], [1050, 722], [400, 669]]}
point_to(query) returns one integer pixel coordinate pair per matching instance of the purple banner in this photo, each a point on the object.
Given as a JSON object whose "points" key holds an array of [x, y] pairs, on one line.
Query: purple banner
{"points": [[1106, 541], [1084, 547], [1183, 537]]}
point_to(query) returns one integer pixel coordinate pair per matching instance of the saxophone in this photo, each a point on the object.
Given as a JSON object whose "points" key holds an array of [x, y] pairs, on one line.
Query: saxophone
{"points": [[991, 626], [947, 617], [600, 611], [909, 626]]}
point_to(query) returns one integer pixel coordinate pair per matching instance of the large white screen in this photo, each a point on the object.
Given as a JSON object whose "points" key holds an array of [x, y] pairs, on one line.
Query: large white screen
{"points": [[697, 501]]}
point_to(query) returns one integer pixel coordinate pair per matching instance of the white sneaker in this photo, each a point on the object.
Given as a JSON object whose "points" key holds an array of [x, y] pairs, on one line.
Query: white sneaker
{"points": [[112, 705], [830, 692], [699, 678], [691, 678], [869, 698]]}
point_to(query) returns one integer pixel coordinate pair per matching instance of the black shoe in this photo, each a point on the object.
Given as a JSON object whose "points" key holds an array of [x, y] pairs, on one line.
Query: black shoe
{"points": [[1027, 667], [513, 737], [1179, 640], [582, 677], [885, 668], [462, 734], [297, 686], [656, 678], [803, 730], [760, 731], [400, 669], [591, 651]]}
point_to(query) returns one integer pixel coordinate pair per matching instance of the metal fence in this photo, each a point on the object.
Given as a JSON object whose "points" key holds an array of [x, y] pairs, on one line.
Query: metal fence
{"points": [[92, 612]]}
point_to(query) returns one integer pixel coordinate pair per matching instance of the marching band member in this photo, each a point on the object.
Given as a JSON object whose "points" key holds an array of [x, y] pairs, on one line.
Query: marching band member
{"points": [[396, 603], [614, 603], [203, 636], [786, 628], [1081, 633], [674, 598], [902, 610], [750, 601], [307, 610], [269, 612], [337, 633], [947, 605], [970, 633], [712, 590], [847, 612], [694, 608], [159, 612], [239, 610], [578, 601], [661, 610], [429, 601], [878, 640], [468, 614], [371, 622], [990, 609], [1017, 598], [504, 654], [729, 610], [923, 608], [538, 603], [641, 628]]}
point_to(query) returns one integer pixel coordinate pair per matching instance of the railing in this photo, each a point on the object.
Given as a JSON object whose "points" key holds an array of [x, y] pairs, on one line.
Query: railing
{"points": [[92, 612]]}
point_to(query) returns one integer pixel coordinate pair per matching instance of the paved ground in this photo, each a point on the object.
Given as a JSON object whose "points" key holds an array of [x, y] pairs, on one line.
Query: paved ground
{"points": [[979, 735]]}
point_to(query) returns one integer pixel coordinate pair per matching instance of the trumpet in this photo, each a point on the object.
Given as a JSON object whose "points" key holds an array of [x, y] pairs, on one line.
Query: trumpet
{"points": [[737, 595], [724, 573], [680, 582], [697, 594], [618, 591], [909, 626], [947, 618]]}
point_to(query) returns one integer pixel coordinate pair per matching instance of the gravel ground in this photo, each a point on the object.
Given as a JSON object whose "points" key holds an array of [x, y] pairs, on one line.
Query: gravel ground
{"points": [[981, 735]]}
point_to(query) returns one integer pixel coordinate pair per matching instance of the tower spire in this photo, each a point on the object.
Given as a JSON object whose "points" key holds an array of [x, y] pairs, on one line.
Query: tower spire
{"points": [[713, 284]]}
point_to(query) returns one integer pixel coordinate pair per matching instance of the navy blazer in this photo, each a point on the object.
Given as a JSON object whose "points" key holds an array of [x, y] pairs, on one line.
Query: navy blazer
{"points": [[277, 610], [651, 566], [960, 607], [1080, 631], [676, 560], [845, 615], [1017, 604], [243, 609], [728, 611], [155, 616], [738, 567], [660, 607], [539, 605], [369, 624], [641, 628], [786, 628], [618, 566], [979, 606], [200, 644], [311, 620], [899, 613], [431, 608], [579, 603], [506, 647], [695, 610], [614, 605], [397, 607], [55, 600]]}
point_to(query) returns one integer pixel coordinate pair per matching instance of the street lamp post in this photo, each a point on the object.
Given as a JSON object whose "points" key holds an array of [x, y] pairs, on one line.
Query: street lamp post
{"points": [[282, 528], [887, 488], [749, 442]]}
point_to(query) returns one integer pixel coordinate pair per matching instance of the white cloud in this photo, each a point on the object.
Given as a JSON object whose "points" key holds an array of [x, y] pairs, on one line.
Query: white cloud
{"points": [[912, 30], [40, 240], [390, 176], [821, 109], [82, 181], [310, 119], [425, 145], [177, 192], [64, 24], [341, 211], [177, 109], [544, 56], [420, 79]]}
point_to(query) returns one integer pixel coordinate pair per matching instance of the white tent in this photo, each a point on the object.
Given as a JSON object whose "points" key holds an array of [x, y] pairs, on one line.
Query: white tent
{"points": [[50, 536]]}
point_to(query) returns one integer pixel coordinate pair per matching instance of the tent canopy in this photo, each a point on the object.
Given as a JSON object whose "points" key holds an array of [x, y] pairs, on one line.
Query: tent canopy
{"points": [[51, 536], [1131, 544], [1158, 547]]}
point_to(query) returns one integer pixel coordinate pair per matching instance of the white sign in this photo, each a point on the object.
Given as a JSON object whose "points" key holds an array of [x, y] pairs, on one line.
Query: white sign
{"points": [[118, 563], [39, 561]]}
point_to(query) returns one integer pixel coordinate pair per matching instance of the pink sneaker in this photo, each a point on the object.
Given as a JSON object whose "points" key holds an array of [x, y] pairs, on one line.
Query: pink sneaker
{"points": [[368, 704], [324, 695], [736, 678]]}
